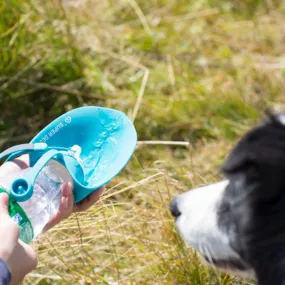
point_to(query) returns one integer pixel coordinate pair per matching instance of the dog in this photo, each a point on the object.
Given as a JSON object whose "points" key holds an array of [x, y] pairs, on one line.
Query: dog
{"points": [[238, 224]]}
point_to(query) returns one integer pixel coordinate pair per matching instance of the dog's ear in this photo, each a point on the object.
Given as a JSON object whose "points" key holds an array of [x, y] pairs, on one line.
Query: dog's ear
{"points": [[236, 162], [264, 145]]}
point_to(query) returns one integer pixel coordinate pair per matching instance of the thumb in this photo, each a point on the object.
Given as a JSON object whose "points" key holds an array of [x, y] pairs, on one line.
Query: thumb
{"points": [[4, 199]]}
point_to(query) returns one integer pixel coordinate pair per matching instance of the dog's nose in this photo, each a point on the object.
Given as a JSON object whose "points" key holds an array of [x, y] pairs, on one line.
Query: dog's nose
{"points": [[174, 208]]}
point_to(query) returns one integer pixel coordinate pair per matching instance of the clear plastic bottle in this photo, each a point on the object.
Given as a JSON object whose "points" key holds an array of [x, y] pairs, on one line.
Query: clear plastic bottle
{"points": [[35, 213]]}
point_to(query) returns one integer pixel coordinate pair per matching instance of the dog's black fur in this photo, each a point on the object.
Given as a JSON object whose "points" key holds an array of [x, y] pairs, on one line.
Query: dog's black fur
{"points": [[252, 210]]}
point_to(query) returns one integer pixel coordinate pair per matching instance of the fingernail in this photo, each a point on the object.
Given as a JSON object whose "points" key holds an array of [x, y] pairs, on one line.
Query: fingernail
{"points": [[65, 202], [70, 185], [68, 189]]}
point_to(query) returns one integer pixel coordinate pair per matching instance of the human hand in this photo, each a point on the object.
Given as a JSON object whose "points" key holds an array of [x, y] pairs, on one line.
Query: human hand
{"points": [[20, 257], [67, 206], [7, 228]]}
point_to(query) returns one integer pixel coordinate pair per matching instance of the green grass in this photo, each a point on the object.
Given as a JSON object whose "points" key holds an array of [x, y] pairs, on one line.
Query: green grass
{"points": [[198, 71]]}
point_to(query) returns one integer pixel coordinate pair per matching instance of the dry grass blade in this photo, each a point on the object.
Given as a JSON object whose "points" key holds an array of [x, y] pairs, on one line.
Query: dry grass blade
{"points": [[140, 95], [17, 76], [141, 16], [192, 75], [166, 143], [63, 89]]}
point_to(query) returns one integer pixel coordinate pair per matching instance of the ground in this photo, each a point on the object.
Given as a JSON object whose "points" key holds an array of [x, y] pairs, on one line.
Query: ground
{"points": [[197, 73]]}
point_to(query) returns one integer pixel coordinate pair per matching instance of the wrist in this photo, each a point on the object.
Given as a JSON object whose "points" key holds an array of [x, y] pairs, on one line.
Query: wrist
{"points": [[4, 255]]}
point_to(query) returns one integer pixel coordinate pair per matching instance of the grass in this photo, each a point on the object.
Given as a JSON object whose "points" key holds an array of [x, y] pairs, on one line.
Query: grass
{"points": [[198, 71]]}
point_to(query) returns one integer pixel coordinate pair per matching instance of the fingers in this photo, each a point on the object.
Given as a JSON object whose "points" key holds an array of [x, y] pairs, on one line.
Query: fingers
{"points": [[15, 165], [5, 219], [86, 203], [67, 204], [4, 204], [67, 200], [9, 230], [65, 207]]}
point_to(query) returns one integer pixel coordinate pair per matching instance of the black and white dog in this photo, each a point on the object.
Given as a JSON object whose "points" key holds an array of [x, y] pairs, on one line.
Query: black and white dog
{"points": [[238, 224]]}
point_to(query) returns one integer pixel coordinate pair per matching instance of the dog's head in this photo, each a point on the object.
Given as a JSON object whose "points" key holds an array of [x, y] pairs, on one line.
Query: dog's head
{"points": [[239, 224]]}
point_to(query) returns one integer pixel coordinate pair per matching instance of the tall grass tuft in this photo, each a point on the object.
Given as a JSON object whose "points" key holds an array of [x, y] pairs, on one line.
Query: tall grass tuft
{"points": [[192, 75]]}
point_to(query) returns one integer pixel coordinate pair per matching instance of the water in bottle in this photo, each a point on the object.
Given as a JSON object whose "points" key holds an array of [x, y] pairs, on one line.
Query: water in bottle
{"points": [[33, 214]]}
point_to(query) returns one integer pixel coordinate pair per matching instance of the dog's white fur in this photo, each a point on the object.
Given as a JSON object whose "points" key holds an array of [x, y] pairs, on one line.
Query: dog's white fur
{"points": [[198, 224], [198, 220]]}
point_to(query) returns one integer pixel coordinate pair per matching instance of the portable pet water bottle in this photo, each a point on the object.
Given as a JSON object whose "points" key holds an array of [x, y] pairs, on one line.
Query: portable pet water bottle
{"points": [[87, 146]]}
